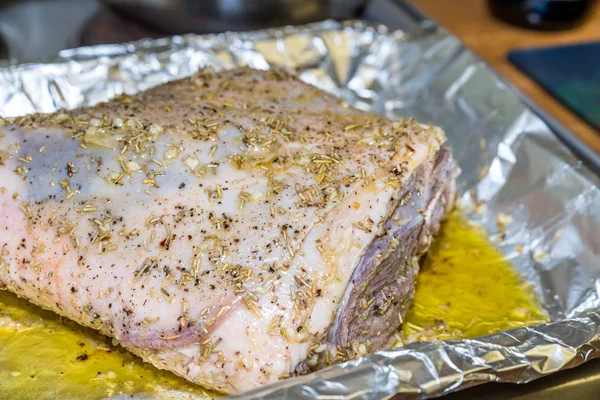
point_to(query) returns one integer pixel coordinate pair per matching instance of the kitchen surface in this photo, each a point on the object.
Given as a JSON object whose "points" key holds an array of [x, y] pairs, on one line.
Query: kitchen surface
{"points": [[36, 31], [493, 39]]}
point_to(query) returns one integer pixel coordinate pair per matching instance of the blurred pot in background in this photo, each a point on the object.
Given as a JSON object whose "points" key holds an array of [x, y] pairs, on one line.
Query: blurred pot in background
{"points": [[203, 16], [542, 14]]}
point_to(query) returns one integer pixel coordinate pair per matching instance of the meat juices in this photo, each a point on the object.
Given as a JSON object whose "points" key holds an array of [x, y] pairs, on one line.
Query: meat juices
{"points": [[235, 228]]}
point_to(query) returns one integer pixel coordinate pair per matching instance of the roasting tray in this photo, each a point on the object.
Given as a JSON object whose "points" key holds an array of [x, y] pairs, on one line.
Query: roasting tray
{"points": [[510, 158]]}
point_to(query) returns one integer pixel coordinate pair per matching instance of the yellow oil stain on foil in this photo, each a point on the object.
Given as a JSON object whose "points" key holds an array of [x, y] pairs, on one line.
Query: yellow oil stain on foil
{"points": [[465, 289], [44, 356]]}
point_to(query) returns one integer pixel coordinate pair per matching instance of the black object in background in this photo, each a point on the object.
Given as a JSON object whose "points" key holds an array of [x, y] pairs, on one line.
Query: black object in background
{"points": [[570, 73], [541, 14], [212, 16]]}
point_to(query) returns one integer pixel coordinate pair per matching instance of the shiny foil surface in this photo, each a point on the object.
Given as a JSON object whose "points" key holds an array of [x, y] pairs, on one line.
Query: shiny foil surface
{"points": [[510, 159]]}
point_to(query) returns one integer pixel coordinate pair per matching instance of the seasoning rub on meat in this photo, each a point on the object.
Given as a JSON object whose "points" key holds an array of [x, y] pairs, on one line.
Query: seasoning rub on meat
{"points": [[236, 227]]}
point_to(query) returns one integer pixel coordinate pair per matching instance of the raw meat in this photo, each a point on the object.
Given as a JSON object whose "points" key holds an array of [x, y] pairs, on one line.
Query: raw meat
{"points": [[235, 228]]}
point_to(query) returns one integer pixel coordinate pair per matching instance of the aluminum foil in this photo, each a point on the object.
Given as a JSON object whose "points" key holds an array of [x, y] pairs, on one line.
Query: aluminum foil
{"points": [[509, 158]]}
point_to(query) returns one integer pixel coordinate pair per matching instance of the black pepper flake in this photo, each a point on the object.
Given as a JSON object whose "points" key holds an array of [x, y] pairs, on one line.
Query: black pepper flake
{"points": [[70, 170], [181, 185], [82, 357]]}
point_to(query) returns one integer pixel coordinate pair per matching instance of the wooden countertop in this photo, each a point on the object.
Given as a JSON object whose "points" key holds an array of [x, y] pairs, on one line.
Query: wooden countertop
{"points": [[491, 39]]}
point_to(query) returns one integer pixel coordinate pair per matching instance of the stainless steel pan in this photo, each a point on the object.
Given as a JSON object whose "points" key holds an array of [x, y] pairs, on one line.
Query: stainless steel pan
{"points": [[202, 16]]}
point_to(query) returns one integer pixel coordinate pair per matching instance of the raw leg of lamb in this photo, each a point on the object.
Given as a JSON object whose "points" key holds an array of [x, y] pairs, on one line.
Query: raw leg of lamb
{"points": [[235, 228]]}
